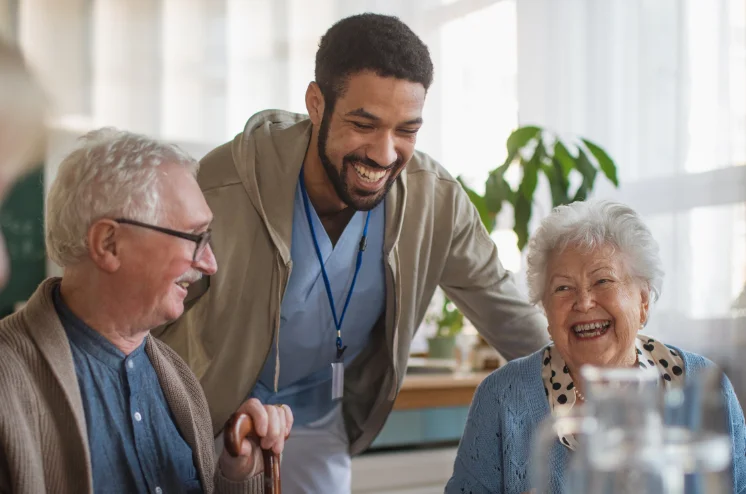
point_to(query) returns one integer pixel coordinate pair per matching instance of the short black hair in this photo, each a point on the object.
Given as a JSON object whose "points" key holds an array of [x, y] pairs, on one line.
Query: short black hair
{"points": [[382, 44]]}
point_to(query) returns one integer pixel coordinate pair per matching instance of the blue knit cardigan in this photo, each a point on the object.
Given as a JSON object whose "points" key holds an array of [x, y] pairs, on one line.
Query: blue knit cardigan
{"points": [[494, 452]]}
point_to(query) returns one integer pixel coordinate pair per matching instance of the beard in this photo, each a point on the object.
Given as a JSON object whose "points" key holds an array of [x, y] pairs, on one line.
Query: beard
{"points": [[359, 200]]}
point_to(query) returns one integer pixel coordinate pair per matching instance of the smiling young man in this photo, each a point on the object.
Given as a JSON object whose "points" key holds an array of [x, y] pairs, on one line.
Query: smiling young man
{"points": [[333, 234]]}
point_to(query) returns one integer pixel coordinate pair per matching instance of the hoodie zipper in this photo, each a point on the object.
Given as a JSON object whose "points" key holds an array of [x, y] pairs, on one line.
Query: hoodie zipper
{"points": [[278, 319], [276, 329], [395, 318]]}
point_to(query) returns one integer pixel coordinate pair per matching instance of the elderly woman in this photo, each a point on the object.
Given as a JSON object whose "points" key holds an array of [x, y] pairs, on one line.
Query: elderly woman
{"points": [[595, 268]]}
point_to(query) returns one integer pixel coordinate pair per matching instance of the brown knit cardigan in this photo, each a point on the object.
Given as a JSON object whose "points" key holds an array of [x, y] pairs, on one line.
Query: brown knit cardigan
{"points": [[43, 436]]}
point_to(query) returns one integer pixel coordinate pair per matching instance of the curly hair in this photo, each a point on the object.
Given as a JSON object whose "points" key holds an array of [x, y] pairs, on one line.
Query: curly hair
{"points": [[381, 44]]}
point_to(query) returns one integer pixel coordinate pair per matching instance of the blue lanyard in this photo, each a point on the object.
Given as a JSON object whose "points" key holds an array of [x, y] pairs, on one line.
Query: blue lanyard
{"points": [[358, 263]]}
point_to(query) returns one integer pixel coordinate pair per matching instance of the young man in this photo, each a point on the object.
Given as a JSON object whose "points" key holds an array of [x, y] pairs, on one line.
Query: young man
{"points": [[314, 211]]}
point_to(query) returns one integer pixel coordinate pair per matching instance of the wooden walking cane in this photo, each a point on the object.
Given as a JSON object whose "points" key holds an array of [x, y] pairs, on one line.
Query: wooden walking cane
{"points": [[240, 426]]}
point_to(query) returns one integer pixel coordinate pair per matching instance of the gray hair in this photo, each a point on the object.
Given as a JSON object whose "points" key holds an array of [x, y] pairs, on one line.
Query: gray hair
{"points": [[111, 174], [592, 224]]}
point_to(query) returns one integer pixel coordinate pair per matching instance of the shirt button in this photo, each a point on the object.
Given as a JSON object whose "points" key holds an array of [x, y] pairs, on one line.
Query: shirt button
{"points": [[138, 417], [158, 490], [130, 364]]}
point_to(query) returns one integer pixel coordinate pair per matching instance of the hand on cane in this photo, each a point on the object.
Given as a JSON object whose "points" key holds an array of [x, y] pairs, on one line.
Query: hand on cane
{"points": [[272, 425]]}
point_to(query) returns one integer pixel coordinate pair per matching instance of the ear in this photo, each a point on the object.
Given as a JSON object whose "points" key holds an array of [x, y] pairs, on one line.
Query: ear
{"points": [[315, 103], [102, 244], [644, 305]]}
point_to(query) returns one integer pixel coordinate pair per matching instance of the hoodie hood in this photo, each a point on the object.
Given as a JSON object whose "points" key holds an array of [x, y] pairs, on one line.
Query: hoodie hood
{"points": [[280, 138]]}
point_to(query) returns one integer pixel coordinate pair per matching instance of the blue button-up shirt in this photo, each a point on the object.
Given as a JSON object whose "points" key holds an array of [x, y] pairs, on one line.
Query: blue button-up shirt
{"points": [[135, 444], [307, 331]]}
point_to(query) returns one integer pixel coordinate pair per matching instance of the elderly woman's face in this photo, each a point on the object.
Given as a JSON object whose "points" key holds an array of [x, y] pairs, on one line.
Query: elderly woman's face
{"points": [[594, 307]]}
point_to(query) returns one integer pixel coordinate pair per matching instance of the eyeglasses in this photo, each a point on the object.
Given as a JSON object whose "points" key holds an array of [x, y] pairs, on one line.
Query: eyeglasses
{"points": [[202, 240]]}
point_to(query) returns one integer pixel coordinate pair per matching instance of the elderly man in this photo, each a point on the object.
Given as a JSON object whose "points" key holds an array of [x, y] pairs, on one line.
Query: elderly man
{"points": [[89, 401]]}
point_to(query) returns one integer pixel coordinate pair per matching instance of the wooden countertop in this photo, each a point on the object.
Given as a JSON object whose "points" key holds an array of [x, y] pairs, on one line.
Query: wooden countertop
{"points": [[438, 390]]}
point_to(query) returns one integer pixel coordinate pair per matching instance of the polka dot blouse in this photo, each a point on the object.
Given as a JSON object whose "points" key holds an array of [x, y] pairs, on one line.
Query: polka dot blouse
{"points": [[560, 389]]}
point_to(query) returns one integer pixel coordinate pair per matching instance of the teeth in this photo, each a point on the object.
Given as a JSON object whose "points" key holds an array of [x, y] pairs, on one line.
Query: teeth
{"points": [[368, 175], [589, 334], [183, 284], [591, 329]]}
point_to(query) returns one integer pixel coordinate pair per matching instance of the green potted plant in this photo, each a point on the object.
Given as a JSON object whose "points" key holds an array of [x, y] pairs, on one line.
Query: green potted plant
{"points": [[536, 151], [449, 323]]}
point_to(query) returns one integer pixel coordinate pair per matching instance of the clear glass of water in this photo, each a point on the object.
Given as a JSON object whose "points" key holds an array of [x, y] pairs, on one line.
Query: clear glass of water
{"points": [[624, 450], [618, 432], [697, 454]]}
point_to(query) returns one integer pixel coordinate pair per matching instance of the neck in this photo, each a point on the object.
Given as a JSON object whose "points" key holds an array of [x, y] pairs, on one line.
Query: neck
{"points": [[101, 310], [319, 187], [578, 383]]}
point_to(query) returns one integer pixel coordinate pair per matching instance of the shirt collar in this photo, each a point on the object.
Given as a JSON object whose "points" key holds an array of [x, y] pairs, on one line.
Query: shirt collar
{"points": [[89, 340]]}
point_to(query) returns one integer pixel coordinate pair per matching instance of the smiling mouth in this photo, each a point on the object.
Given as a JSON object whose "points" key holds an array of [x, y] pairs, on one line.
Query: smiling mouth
{"points": [[368, 174], [592, 329], [183, 284]]}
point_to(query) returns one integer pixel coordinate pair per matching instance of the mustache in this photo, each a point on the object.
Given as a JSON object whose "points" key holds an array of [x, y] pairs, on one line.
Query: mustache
{"points": [[354, 158], [191, 276]]}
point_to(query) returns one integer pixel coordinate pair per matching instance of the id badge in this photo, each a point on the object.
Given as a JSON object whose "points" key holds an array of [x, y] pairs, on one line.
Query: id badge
{"points": [[338, 380]]}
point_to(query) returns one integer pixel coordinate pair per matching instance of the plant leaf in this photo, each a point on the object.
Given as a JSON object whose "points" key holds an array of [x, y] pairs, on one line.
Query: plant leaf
{"points": [[531, 173], [488, 217], [520, 137], [522, 216], [581, 194], [605, 163], [451, 320], [565, 159], [558, 184], [586, 168], [496, 191]]}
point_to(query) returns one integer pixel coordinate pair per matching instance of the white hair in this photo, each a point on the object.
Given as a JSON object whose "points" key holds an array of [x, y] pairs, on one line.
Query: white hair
{"points": [[111, 174], [592, 224]]}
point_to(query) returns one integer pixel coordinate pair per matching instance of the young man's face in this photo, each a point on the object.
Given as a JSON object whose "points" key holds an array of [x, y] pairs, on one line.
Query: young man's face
{"points": [[369, 136]]}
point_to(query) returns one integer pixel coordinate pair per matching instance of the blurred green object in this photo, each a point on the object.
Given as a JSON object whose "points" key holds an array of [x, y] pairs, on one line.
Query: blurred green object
{"points": [[450, 322], [441, 347], [538, 151], [22, 223]]}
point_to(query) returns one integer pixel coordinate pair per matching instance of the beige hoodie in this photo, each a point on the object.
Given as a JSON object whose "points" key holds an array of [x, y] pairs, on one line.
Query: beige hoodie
{"points": [[433, 236]]}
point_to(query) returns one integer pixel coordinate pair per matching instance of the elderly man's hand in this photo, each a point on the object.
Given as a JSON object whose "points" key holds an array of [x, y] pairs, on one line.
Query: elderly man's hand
{"points": [[272, 424]]}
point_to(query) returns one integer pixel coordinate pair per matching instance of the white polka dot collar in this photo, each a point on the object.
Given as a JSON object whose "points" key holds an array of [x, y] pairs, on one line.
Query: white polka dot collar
{"points": [[560, 389]]}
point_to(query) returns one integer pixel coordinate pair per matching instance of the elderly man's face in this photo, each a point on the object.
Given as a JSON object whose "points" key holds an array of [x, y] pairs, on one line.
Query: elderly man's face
{"points": [[160, 265], [594, 307]]}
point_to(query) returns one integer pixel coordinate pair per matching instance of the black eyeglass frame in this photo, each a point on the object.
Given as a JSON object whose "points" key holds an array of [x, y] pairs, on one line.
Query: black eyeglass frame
{"points": [[201, 240]]}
